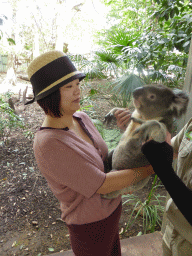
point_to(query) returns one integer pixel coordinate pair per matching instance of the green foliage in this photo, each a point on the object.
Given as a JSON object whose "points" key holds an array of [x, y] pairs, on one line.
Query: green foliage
{"points": [[110, 136], [128, 13], [9, 121], [153, 58], [175, 18], [86, 101], [155, 45], [107, 57], [117, 37], [151, 209], [28, 134], [10, 40], [122, 92], [109, 61], [92, 68]]}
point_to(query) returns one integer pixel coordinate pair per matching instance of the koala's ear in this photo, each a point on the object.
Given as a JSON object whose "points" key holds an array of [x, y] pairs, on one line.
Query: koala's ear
{"points": [[179, 103]]}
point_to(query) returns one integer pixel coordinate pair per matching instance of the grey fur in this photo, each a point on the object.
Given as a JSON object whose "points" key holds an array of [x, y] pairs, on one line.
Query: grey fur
{"points": [[155, 108]]}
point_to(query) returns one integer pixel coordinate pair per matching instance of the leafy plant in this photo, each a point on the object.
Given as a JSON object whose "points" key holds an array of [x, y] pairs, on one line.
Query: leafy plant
{"points": [[9, 120], [124, 87], [86, 101], [9, 40], [158, 37], [116, 38], [151, 209], [28, 134], [109, 60], [129, 13], [113, 41], [110, 136], [95, 70], [92, 68], [175, 17]]}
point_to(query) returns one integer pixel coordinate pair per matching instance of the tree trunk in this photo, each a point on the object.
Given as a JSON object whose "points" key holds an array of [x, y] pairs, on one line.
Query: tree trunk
{"points": [[187, 87], [11, 78], [36, 45]]}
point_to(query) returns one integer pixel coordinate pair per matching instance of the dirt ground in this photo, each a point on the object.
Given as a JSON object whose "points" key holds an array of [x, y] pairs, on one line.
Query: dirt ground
{"points": [[30, 221]]}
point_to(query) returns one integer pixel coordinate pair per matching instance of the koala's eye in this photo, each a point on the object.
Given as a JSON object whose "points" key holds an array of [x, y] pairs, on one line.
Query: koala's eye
{"points": [[151, 96]]}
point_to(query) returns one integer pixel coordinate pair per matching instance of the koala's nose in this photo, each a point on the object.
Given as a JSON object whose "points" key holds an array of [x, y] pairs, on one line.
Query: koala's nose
{"points": [[137, 92]]}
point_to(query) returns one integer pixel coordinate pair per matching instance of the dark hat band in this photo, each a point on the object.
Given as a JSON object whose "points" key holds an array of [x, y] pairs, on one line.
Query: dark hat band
{"points": [[52, 74], [53, 88]]}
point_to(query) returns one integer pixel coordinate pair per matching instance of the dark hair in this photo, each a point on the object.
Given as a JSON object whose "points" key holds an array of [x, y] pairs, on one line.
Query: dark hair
{"points": [[51, 104]]}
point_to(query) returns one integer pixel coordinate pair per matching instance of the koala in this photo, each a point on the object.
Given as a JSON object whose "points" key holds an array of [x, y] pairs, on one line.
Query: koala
{"points": [[155, 108]]}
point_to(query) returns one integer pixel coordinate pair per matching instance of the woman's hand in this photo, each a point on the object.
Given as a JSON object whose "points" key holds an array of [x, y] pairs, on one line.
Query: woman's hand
{"points": [[168, 138], [123, 117]]}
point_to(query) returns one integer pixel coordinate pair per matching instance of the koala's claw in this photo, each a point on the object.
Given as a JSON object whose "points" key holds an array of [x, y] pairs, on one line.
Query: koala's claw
{"points": [[108, 118], [151, 129], [137, 120]]}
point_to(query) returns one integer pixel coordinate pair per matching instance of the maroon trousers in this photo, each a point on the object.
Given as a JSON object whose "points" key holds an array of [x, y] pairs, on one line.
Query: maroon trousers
{"points": [[100, 238]]}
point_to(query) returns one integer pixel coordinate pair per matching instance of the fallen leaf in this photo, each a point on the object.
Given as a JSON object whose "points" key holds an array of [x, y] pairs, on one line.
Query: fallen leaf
{"points": [[14, 243], [122, 229], [139, 234], [34, 222]]}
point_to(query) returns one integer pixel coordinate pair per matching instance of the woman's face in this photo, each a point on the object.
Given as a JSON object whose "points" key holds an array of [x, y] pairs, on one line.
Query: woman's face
{"points": [[70, 97]]}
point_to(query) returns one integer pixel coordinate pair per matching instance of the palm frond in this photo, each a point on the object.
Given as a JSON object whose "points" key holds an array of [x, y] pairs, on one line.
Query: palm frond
{"points": [[126, 85], [107, 56]]}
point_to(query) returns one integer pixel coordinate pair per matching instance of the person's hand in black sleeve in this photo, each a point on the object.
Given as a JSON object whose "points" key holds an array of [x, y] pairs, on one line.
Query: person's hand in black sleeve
{"points": [[160, 156]]}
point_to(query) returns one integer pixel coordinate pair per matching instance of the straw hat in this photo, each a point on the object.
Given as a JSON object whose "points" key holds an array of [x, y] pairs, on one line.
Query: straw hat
{"points": [[50, 71]]}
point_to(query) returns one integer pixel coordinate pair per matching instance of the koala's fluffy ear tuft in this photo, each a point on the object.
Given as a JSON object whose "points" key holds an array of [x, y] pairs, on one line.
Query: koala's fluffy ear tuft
{"points": [[179, 103]]}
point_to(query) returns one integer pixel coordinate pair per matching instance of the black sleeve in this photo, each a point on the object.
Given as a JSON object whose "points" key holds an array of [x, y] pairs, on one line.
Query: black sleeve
{"points": [[108, 162], [160, 155]]}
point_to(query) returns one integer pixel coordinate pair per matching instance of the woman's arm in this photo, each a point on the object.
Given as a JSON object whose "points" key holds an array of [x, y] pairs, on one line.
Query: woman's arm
{"points": [[121, 179]]}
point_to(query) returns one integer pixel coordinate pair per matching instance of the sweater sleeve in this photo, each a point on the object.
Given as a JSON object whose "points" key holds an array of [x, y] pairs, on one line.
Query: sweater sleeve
{"points": [[160, 155], [68, 167]]}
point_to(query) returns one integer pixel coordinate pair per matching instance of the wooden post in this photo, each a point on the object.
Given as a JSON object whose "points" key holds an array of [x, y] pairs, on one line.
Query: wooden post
{"points": [[187, 87]]}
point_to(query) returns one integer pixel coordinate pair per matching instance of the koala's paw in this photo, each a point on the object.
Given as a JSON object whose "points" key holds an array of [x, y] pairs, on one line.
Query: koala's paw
{"points": [[110, 116], [137, 120], [117, 193], [151, 129], [110, 195]]}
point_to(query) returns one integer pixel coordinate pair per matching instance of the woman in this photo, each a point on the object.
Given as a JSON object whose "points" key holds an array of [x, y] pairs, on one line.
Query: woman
{"points": [[70, 152]]}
